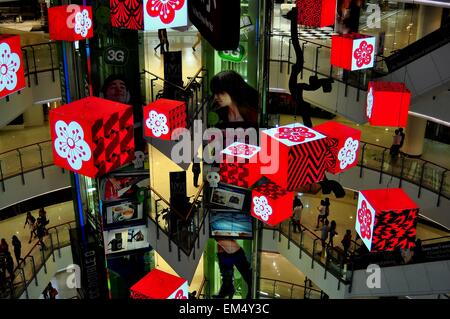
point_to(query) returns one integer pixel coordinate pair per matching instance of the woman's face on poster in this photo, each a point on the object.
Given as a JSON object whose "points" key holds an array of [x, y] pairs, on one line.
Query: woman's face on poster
{"points": [[117, 91], [223, 99]]}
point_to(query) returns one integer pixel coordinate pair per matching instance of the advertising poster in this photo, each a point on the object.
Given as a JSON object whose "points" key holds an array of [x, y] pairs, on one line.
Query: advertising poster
{"points": [[126, 239], [347, 16], [230, 224], [173, 74]]}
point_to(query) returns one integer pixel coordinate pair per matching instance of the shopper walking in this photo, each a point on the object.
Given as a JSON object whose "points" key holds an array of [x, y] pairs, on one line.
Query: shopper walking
{"points": [[347, 241], [30, 221], [296, 215], [324, 236], [163, 41], [196, 170], [395, 147], [17, 249], [333, 232], [324, 211], [4, 245]]}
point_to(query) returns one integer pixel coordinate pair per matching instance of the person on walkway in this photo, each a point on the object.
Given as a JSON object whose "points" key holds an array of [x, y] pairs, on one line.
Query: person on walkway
{"points": [[324, 236], [395, 147], [31, 222], [4, 245], [324, 211], [40, 232], [196, 170], [419, 255], [298, 207], [347, 241], [333, 232], [402, 135], [42, 219], [163, 40], [10, 265], [17, 249], [50, 292]]}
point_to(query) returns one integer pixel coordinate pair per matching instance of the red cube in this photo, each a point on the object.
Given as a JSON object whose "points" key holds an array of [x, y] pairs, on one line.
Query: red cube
{"points": [[297, 155], [386, 219], [92, 136], [162, 117], [158, 284], [70, 22], [12, 77], [387, 104], [127, 14], [271, 203], [352, 51], [316, 13], [343, 147], [240, 165]]}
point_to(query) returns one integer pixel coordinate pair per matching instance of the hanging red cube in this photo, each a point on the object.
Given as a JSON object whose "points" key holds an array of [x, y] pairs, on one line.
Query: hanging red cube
{"points": [[12, 77], [92, 136], [271, 203], [386, 219], [127, 14], [387, 104], [70, 22], [352, 51], [158, 284], [162, 117], [240, 165], [296, 155], [316, 13], [343, 145]]}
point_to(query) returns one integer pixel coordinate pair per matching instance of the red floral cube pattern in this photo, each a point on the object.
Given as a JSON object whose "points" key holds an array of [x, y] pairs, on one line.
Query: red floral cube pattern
{"points": [[127, 14], [12, 77], [352, 51], [70, 22], [162, 117], [298, 155], [271, 203], [386, 219], [316, 13], [344, 147], [92, 136], [158, 284], [387, 104]]}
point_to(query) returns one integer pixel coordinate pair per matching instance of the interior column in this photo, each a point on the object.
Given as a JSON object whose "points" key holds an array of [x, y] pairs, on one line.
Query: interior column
{"points": [[414, 136]]}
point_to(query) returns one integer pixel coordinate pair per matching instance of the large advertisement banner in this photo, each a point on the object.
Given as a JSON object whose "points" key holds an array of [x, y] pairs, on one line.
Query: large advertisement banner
{"points": [[218, 21]]}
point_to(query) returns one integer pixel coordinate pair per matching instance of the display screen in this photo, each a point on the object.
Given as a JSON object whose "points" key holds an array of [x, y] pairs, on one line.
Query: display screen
{"points": [[126, 239], [232, 224], [123, 213], [120, 186], [234, 197]]}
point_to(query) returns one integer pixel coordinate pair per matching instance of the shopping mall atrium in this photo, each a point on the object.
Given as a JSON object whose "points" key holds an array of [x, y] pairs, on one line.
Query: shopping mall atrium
{"points": [[226, 149]]}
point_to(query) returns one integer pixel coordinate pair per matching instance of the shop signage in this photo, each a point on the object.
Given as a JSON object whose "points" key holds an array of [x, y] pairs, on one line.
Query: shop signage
{"points": [[70, 23], [236, 56], [173, 74], [12, 77], [116, 55], [218, 21]]}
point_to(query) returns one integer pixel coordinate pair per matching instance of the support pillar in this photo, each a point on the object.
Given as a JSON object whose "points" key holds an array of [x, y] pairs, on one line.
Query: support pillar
{"points": [[428, 20], [414, 136]]}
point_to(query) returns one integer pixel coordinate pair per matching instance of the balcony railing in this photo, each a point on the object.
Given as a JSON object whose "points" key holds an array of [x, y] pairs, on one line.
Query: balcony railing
{"points": [[279, 289], [36, 259]]}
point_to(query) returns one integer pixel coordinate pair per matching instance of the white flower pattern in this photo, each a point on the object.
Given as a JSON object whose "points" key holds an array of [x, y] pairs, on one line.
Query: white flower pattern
{"points": [[347, 154], [70, 144], [157, 122], [82, 23], [262, 208], [9, 65], [369, 103]]}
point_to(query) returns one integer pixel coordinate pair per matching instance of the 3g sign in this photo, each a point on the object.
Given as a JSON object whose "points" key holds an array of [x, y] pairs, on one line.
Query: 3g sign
{"points": [[116, 55]]}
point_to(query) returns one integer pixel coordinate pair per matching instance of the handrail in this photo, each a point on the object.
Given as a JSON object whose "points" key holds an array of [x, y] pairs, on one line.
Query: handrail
{"points": [[194, 200], [18, 148], [289, 283], [39, 44], [166, 202], [185, 88]]}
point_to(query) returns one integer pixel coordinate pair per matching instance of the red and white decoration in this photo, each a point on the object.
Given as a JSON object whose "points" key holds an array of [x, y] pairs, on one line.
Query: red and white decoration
{"points": [[161, 14], [240, 165], [271, 203], [343, 145], [162, 117], [158, 284], [92, 136], [316, 13], [353, 51], [297, 155], [386, 219], [70, 22], [12, 77], [387, 104], [127, 14]]}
